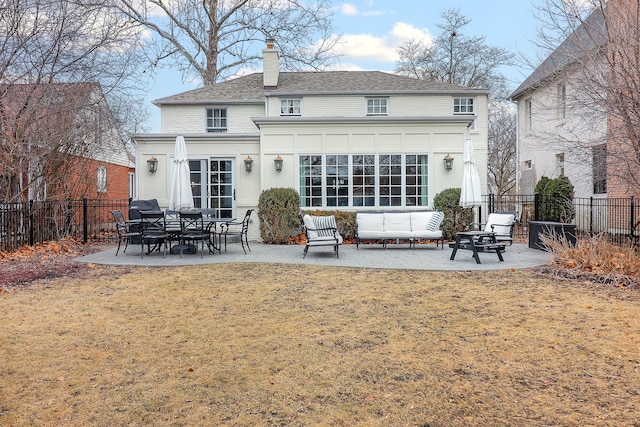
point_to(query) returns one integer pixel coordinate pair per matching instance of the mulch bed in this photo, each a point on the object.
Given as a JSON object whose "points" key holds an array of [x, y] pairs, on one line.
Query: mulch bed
{"points": [[49, 260]]}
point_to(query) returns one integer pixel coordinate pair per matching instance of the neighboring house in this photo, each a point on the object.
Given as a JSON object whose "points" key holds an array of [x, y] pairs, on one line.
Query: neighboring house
{"points": [[578, 112], [58, 142], [558, 131], [347, 140]]}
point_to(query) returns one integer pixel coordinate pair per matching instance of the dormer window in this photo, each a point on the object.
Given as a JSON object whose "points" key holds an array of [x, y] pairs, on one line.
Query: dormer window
{"points": [[463, 106], [290, 107], [216, 119], [377, 107]]}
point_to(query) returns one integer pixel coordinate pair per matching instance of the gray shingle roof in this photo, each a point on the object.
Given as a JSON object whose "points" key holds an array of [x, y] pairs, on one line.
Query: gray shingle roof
{"points": [[591, 34], [250, 88]]}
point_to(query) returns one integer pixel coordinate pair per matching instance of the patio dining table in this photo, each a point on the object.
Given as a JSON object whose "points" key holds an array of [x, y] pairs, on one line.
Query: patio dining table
{"points": [[174, 231]]}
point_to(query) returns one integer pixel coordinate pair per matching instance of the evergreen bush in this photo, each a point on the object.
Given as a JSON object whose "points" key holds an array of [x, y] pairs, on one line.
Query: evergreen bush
{"points": [[556, 199], [456, 218], [278, 213]]}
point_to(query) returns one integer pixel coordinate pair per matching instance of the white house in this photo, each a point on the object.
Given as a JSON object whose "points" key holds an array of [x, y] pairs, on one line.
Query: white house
{"points": [[347, 140], [560, 130]]}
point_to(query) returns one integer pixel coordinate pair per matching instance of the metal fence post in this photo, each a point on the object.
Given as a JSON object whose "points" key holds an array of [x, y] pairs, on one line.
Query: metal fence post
{"points": [[85, 220], [536, 206], [31, 224], [632, 221]]}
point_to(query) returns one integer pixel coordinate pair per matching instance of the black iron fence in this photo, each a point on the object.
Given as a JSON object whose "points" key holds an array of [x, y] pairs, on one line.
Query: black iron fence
{"points": [[28, 223], [90, 219], [617, 219]]}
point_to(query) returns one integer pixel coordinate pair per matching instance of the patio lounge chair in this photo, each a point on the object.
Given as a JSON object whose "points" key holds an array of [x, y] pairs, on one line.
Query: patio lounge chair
{"points": [[500, 223], [320, 231]]}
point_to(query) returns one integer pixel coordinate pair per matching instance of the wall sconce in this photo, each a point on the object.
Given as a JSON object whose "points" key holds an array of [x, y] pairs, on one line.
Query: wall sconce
{"points": [[248, 164], [152, 165], [448, 162], [278, 163]]}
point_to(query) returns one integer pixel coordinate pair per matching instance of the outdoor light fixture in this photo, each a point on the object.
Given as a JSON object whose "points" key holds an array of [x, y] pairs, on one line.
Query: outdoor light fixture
{"points": [[248, 164], [278, 163], [152, 164], [448, 162]]}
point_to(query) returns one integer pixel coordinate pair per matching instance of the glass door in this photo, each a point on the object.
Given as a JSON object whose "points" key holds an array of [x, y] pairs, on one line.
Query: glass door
{"points": [[198, 179], [221, 187]]}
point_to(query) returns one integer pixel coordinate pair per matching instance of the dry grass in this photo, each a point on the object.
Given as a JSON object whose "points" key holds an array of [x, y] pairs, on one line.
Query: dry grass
{"points": [[268, 345]]}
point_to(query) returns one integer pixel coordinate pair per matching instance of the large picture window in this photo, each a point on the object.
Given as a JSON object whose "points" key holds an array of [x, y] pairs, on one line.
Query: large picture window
{"points": [[359, 180]]}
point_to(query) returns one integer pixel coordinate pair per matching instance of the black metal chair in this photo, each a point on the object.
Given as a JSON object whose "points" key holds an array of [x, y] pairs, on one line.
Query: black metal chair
{"points": [[124, 232], [193, 230], [153, 231], [237, 228]]}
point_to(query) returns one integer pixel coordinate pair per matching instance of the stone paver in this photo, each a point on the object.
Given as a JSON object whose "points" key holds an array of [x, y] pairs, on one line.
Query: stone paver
{"points": [[423, 257]]}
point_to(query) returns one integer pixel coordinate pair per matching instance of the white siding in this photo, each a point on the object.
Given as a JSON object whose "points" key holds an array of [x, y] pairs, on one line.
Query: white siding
{"points": [[192, 118]]}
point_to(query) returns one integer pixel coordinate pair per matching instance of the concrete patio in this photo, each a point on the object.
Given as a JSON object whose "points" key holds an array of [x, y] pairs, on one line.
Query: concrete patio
{"points": [[423, 257]]}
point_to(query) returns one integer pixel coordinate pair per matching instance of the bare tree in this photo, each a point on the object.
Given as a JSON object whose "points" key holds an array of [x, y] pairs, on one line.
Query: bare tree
{"points": [[53, 56], [502, 150], [213, 39], [463, 60], [456, 58], [598, 61]]}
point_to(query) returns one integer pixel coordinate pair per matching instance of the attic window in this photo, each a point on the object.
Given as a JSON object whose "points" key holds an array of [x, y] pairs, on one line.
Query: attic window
{"points": [[216, 119], [290, 107], [463, 106], [377, 107]]}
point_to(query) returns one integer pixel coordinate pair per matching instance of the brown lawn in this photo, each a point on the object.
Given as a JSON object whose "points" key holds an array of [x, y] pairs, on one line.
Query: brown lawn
{"points": [[285, 345]]}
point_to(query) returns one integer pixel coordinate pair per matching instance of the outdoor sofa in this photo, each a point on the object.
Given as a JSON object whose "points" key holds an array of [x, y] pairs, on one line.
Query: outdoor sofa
{"points": [[412, 226]]}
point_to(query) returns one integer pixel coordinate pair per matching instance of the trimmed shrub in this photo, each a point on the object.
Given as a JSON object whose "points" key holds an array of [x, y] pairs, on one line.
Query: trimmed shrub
{"points": [[557, 199], [456, 218], [278, 213]]}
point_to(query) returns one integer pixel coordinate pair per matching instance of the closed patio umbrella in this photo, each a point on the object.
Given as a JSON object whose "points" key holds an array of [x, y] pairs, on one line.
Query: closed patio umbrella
{"points": [[470, 191], [181, 196]]}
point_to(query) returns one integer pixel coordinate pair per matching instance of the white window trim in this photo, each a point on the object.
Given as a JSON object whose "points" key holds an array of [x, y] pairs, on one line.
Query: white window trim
{"points": [[299, 100], [102, 179], [214, 129], [349, 183], [377, 98], [470, 108]]}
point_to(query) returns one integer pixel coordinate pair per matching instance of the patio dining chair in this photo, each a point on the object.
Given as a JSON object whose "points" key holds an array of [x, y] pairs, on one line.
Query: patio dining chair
{"points": [[236, 229], [153, 231], [122, 228], [193, 230]]}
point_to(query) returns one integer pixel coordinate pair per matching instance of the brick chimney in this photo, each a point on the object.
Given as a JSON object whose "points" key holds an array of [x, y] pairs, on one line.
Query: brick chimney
{"points": [[270, 65]]}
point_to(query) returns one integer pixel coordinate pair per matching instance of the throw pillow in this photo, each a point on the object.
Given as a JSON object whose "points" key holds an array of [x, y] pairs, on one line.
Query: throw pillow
{"points": [[325, 225]]}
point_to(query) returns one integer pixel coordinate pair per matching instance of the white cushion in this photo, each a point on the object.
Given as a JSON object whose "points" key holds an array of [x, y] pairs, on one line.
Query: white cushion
{"points": [[426, 234], [501, 223], [310, 226], [397, 222], [420, 220], [325, 241], [369, 222]]}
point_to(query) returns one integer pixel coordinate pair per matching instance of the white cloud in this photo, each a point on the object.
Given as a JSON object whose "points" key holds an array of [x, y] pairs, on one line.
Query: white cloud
{"points": [[349, 9], [359, 48]]}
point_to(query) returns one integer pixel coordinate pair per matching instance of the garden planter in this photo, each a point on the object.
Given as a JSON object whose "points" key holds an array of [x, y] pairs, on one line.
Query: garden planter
{"points": [[561, 231]]}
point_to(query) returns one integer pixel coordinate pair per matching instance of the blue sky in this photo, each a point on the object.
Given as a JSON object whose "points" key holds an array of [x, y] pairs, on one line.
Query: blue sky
{"points": [[372, 29]]}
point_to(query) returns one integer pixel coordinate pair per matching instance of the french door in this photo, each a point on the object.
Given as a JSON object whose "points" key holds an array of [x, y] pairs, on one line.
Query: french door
{"points": [[213, 185]]}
